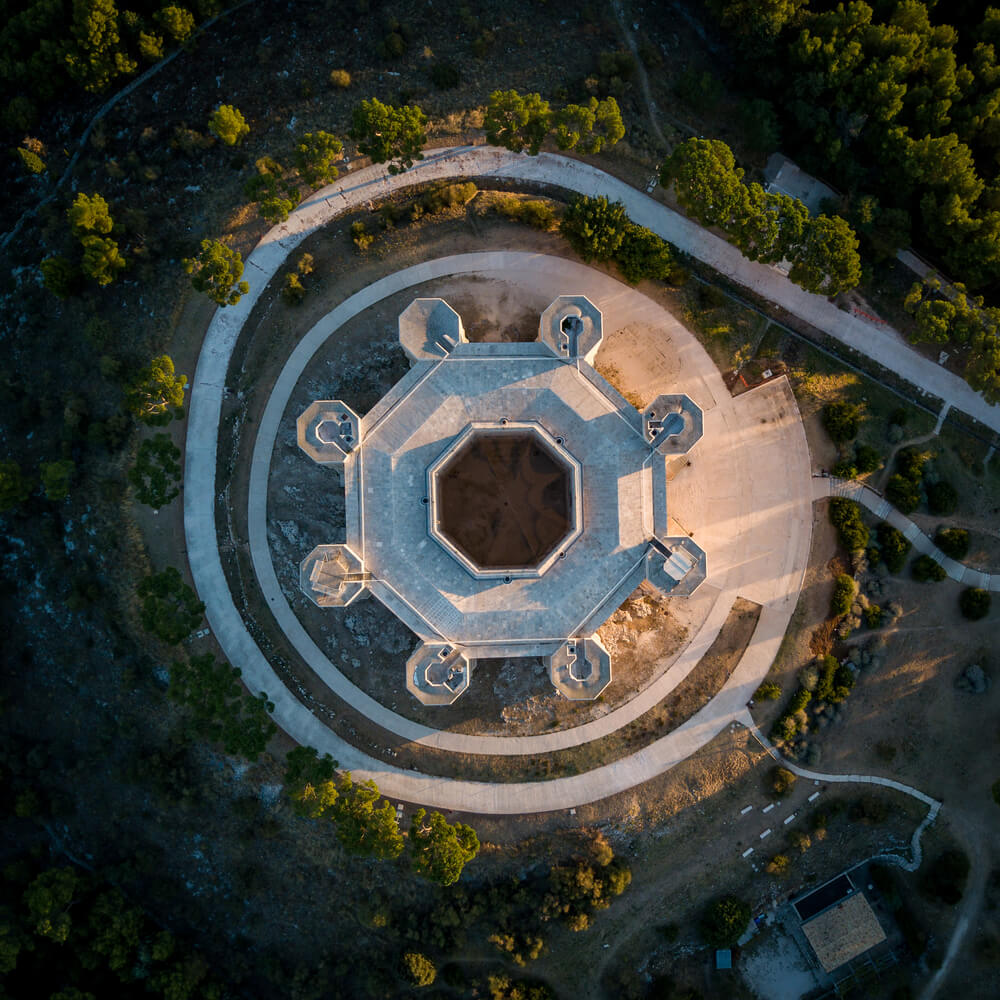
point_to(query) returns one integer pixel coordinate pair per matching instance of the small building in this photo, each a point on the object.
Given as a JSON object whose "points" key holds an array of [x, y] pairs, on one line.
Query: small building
{"points": [[782, 176], [723, 958], [844, 930]]}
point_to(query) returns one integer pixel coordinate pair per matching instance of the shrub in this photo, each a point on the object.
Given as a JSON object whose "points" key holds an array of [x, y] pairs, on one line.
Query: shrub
{"points": [[845, 469], [843, 595], [15, 487], [156, 472], [60, 276], [56, 478], [419, 969], [293, 291], [925, 569], [340, 78], [867, 458], [31, 161], [643, 254], [449, 196], [910, 463], [782, 780], [894, 546], [873, 616], [841, 420], [946, 876], [217, 271], [724, 921], [975, 603], [768, 691], [845, 516], [228, 124], [778, 865], [903, 493], [942, 498], [953, 542], [362, 238], [801, 840], [594, 227]]}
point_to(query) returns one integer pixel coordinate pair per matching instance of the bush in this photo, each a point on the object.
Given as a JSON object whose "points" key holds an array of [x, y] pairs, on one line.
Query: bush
{"points": [[228, 124], [903, 493], [448, 196], [946, 876], [953, 542], [845, 516], [340, 78], [841, 420], [801, 840], [724, 921], [782, 780], [975, 603], [643, 255], [843, 595], [867, 458], [362, 238], [910, 463], [419, 969], [925, 569], [873, 616], [594, 227], [768, 691], [894, 546], [56, 478], [293, 291], [942, 498], [778, 865]]}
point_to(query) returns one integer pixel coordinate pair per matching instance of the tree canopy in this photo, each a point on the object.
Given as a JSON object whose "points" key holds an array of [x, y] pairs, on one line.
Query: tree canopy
{"points": [[595, 227], [156, 394], [216, 271], [388, 134], [170, 609], [228, 125], [440, 850], [518, 121]]}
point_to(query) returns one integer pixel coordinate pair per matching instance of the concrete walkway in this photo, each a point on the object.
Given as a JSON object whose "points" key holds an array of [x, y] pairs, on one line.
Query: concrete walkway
{"points": [[830, 486]]}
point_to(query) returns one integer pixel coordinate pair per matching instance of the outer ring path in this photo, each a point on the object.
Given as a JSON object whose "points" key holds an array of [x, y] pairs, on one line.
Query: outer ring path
{"points": [[294, 717]]}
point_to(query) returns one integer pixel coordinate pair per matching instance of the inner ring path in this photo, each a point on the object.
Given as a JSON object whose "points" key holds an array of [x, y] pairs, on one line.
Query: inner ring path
{"points": [[765, 562]]}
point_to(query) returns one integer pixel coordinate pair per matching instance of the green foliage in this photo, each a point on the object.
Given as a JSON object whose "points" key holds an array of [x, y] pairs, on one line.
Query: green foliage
{"points": [[594, 227], [388, 134], [227, 124], [537, 214], [310, 782], [894, 547], [778, 865], [590, 127], [156, 394], [953, 542], [706, 180], [177, 22], [56, 478], [156, 472], [170, 609], [643, 255], [974, 603], [828, 261], [89, 214], [60, 276], [96, 59], [782, 780], [217, 271], [48, 899], [220, 710], [30, 160], [867, 459], [873, 616], [844, 590], [946, 876], [925, 568], [517, 121], [314, 157], [903, 493], [942, 498], [115, 930], [502, 987], [150, 47], [293, 291], [275, 193], [445, 196], [361, 237], [15, 487], [724, 921], [768, 691], [366, 825], [440, 850], [102, 259], [418, 969], [842, 420]]}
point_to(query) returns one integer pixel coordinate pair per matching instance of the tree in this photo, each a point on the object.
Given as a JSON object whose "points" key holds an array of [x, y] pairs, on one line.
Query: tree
{"points": [[594, 227], [439, 850], [156, 472], [49, 898], [782, 780], [518, 121], [228, 124], [150, 47], [115, 930], [314, 158], [388, 134], [30, 160], [60, 276], [778, 865], [310, 781], [842, 420], [15, 487], [894, 547], [926, 568], [178, 21], [156, 395], [974, 603], [217, 271], [418, 969], [96, 58], [643, 254], [706, 180], [102, 259], [275, 193], [724, 921], [365, 826], [828, 260], [903, 493], [590, 127], [89, 214], [759, 20], [845, 516], [56, 478], [953, 542], [170, 608], [768, 691], [221, 711]]}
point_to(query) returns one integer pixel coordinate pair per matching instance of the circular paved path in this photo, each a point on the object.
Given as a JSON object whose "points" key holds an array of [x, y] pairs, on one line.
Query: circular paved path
{"points": [[770, 559]]}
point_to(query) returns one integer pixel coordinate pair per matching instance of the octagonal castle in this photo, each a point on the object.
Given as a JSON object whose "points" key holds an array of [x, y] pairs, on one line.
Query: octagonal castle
{"points": [[502, 499]]}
